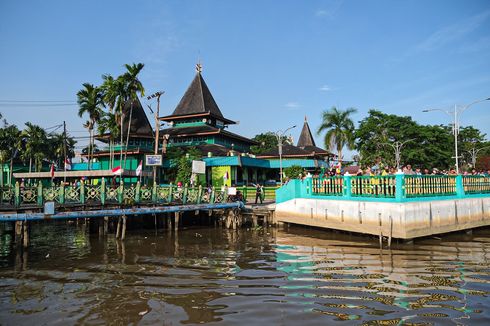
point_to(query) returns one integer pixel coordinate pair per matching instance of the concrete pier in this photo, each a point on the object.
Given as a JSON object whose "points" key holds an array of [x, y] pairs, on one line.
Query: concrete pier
{"points": [[405, 220]]}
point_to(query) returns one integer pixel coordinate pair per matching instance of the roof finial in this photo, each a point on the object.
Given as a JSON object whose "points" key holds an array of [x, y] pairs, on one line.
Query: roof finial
{"points": [[306, 119], [199, 67]]}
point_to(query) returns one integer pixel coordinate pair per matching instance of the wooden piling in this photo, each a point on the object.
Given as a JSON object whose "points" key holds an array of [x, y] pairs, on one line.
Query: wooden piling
{"points": [[177, 221], [123, 233], [106, 224], [25, 236], [118, 228]]}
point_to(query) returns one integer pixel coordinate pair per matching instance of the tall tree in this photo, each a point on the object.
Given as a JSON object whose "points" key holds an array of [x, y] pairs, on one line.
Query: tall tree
{"points": [[267, 142], [9, 144], [34, 141], [91, 102], [339, 129], [132, 86], [108, 125]]}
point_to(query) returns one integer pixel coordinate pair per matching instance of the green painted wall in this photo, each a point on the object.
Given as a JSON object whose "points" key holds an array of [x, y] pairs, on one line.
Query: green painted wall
{"points": [[217, 173]]}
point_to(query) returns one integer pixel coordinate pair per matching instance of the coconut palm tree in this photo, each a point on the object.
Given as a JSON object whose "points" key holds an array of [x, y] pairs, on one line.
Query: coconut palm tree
{"points": [[108, 124], [132, 86], [57, 143], [34, 140], [340, 129], [91, 102], [9, 141]]}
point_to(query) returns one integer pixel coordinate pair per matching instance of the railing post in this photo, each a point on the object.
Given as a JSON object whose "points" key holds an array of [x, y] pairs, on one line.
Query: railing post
{"points": [[347, 185], [82, 192], [17, 194], [199, 194], [308, 186], [459, 186], [184, 195], [40, 194], [120, 193], [102, 192], [154, 193], [213, 196], [170, 193], [137, 193], [61, 194], [399, 191]]}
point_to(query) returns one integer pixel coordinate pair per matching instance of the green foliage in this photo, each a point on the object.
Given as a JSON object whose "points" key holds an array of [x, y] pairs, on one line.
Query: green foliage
{"points": [[181, 163], [267, 142], [293, 172], [339, 129], [431, 145]]}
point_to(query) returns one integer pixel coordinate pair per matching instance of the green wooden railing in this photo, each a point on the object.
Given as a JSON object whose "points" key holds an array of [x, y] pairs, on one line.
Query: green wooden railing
{"points": [[106, 194]]}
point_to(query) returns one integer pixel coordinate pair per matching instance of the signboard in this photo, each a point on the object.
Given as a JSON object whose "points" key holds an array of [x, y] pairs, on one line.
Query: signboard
{"points": [[199, 167], [153, 160]]}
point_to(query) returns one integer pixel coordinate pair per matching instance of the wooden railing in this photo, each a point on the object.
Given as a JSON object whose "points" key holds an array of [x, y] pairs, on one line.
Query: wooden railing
{"points": [[106, 194]]}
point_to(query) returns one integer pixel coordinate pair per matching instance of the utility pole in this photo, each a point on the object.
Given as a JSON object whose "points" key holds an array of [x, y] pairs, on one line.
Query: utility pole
{"points": [[157, 126], [64, 151], [279, 135]]}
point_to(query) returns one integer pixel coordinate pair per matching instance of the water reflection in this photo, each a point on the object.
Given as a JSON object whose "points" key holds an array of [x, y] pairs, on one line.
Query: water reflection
{"points": [[204, 275]]}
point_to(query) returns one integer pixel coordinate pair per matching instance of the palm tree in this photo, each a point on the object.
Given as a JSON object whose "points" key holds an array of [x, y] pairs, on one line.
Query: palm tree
{"points": [[132, 86], [34, 140], [91, 102], [9, 141], [109, 124], [340, 129], [57, 143]]}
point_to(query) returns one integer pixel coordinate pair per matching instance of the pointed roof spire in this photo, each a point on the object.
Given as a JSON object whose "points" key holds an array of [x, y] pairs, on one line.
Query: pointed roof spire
{"points": [[306, 138], [198, 98]]}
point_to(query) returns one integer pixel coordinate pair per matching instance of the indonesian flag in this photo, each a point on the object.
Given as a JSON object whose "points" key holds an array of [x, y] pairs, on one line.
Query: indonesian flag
{"points": [[139, 169], [52, 171], [67, 164], [117, 170], [225, 177]]}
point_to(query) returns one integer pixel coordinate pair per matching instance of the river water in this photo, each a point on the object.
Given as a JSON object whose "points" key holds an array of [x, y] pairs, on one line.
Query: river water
{"points": [[285, 276]]}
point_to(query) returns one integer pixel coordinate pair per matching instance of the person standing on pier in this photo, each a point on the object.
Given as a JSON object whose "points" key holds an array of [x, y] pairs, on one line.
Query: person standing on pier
{"points": [[258, 192]]}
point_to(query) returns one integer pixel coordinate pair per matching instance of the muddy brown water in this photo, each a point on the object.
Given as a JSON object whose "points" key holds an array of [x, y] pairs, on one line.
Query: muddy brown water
{"points": [[276, 276]]}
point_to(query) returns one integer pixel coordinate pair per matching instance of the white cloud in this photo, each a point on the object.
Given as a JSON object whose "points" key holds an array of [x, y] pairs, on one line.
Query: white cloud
{"points": [[325, 88], [331, 10], [292, 105], [321, 13]]}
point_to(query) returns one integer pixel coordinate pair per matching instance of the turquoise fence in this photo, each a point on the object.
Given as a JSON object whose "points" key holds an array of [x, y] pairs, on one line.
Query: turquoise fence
{"points": [[109, 194], [396, 188]]}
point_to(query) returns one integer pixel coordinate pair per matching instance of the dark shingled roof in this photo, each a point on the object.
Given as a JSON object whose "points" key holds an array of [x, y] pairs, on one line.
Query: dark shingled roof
{"points": [[140, 126], [287, 150], [200, 130], [197, 99], [306, 139]]}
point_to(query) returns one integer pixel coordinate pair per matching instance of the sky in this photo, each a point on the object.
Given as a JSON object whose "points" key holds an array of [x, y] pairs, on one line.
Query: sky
{"points": [[268, 63]]}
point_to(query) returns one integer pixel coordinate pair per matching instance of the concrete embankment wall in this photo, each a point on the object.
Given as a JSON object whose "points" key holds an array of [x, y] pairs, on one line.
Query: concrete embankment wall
{"points": [[404, 220]]}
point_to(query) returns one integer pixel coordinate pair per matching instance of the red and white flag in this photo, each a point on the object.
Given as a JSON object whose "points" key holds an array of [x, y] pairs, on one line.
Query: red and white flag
{"points": [[117, 170], [67, 164], [139, 169], [226, 176], [52, 171]]}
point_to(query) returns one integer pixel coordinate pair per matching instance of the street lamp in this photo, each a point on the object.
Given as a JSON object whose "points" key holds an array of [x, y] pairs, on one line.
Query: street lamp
{"points": [[474, 155], [157, 126], [279, 135], [397, 147], [454, 114]]}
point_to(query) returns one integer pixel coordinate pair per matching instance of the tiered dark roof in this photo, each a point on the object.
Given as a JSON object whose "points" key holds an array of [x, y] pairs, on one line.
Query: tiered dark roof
{"points": [[201, 131], [197, 101], [140, 125], [306, 147], [307, 142]]}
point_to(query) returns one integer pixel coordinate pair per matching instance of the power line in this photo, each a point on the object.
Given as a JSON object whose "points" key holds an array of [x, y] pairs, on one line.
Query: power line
{"points": [[40, 101], [37, 104]]}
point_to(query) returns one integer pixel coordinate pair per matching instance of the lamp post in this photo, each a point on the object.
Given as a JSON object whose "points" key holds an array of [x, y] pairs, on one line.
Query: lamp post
{"points": [[157, 126], [279, 135], [397, 147], [474, 155], [454, 114]]}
